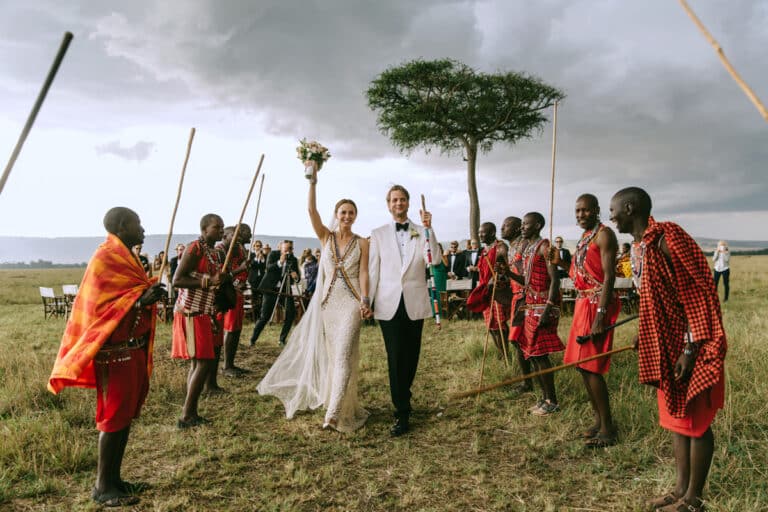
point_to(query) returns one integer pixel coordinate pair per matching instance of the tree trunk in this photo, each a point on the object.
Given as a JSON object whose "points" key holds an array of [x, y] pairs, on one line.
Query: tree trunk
{"points": [[474, 203]]}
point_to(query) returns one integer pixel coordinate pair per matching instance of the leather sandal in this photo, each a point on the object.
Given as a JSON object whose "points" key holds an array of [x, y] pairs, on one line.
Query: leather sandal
{"points": [[662, 501]]}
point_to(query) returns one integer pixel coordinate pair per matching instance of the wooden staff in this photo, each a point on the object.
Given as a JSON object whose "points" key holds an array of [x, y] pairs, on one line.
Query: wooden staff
{"points": [[253, 229], [176, 205], [36, 107], [435, 302], [721, 55], [242, 214], [521, 378], [552, 186], [583, 339], [487, 333]]}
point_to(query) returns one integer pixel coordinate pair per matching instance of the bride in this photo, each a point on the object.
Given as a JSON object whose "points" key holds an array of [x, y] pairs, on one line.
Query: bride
{"points": [[319, 365]]}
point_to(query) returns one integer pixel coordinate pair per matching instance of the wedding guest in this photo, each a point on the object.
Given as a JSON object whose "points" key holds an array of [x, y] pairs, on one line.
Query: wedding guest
{"points": [[564, 261], [310, 274], [440, 273], [454, 261], [721, 258], [470, 259], [256, 271]]}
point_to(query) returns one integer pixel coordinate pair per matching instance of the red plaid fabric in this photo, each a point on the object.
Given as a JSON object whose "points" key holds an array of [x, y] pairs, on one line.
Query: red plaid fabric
{"points": [[678, 294], [496, 314], [198, 300], [538, 341]]}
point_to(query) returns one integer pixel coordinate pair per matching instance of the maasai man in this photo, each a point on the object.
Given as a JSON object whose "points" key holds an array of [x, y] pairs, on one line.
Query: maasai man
{"points": [[539, 336], [107, 345], [233, 319], [495, 313], [681, 341], [510, 231], [196, 331], [597, 306]]}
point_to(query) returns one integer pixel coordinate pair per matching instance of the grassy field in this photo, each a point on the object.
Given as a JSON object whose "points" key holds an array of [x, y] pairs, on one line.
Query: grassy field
{"points": [[472, 455]]}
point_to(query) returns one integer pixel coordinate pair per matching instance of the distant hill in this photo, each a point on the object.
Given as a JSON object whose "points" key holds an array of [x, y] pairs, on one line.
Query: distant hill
{"points": [[75, 250]]}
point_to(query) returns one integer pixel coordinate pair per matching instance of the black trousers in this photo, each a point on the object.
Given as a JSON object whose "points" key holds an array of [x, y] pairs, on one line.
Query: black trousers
{"points": [[402, 339], [726, 280], [268, 301]]}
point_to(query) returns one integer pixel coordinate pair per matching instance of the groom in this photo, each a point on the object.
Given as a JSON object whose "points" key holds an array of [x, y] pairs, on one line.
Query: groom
{"points": [[400, 298]]}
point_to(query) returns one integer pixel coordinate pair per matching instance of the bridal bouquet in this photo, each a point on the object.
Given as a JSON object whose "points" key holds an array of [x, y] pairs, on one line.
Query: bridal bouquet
{"points": [[312, 152]]}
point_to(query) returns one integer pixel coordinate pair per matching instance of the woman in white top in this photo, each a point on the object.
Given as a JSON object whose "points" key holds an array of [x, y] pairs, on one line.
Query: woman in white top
{"points": [[721, 259]]}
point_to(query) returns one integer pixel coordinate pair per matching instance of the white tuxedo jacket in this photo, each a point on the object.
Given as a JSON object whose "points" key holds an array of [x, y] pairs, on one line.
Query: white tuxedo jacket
{"points": [[390, 278]]}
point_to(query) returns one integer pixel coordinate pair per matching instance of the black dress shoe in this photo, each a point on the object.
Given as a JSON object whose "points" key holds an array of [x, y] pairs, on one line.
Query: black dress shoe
{"points": [[399, 428]]}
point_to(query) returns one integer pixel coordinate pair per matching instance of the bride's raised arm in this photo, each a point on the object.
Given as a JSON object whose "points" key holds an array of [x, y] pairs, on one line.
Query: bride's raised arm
{"points": [[321, 230]]}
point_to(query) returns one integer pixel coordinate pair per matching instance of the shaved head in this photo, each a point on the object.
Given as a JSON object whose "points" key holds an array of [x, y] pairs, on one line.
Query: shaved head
{"points": [[637, 197], [537, 218], [116, 217], [590, 199]]}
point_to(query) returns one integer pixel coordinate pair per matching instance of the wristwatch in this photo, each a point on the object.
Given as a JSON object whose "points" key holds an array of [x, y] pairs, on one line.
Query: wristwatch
{"points": [[690, 348], [602, 310]]}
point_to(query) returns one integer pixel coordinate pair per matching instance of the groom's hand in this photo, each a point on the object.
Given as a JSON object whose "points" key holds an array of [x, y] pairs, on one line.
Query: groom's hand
{"points": [[426, 219]]}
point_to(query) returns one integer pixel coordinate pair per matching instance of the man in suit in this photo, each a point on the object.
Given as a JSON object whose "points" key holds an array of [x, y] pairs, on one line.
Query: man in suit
{"points": [[564, 266], [256, 270], [470, 259], [282, 271], [400, 297], [457, 267]]}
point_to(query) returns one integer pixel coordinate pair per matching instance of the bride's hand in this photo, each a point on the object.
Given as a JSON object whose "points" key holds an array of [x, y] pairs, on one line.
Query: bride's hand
{"points": [[313, 179]]}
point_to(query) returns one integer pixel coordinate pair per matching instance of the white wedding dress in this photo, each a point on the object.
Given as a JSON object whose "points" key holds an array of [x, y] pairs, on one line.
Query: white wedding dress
{"points": [[319, 364]]}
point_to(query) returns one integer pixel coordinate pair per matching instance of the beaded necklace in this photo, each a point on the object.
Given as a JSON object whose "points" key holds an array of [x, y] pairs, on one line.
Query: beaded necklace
{"points": [[636, 260], [583, 245]]}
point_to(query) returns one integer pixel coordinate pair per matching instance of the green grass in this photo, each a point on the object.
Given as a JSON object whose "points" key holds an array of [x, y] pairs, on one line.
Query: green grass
{"points": [[484, 454]]}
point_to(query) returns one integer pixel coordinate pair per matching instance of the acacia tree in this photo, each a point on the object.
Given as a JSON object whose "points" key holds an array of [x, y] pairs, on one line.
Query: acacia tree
{"points": [[445, 104]]}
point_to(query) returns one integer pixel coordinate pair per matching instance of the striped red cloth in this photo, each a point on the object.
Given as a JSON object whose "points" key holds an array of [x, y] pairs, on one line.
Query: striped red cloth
{"points": [[197, 300], [677, 294], [111, 285], [538, 341]]}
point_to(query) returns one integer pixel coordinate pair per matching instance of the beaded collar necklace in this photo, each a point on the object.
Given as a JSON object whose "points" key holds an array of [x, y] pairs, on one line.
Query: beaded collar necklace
{"points": [[583, 245], [636, 260]]}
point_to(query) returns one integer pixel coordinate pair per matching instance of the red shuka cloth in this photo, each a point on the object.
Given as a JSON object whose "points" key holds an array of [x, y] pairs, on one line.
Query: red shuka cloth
{"points": [[678, 294], [495, 314], [113, 282], [588, 280]]}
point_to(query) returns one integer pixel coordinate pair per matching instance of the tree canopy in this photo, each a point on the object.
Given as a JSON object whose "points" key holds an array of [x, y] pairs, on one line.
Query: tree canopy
{"points": [[447, 105]]}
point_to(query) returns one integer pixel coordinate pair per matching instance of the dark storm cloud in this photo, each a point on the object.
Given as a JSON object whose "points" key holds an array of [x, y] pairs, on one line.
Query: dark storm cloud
{"points": [[648, 102]]}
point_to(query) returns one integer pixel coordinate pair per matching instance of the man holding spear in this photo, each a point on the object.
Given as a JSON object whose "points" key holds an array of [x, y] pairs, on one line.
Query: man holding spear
{"points": [[593, 272], [681, 341], [539, 338], [233, 319]]}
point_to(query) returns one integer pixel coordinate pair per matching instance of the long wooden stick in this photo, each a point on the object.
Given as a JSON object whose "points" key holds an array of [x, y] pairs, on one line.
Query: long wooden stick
{"points": [[176, 205], [552, 186], [721, 55], [435, 300], [255, 218], [487, 331], [242, 214], [36, 107], [527, 376]]}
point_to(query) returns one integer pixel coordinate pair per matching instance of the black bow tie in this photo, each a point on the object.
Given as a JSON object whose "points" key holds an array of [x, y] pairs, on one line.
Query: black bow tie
{"points": [[401, 227]]}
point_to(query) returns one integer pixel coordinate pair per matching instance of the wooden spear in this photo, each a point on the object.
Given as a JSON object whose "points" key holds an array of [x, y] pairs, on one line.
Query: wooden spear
{"points": [[521, 378], [176, 205], [242, 214], [36, 107], [552, 186], [253, 229], [435, 301], [721, 55]]}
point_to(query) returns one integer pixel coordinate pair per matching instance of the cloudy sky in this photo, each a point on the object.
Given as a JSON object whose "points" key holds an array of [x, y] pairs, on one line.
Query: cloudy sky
{"points": [[648, 104]]}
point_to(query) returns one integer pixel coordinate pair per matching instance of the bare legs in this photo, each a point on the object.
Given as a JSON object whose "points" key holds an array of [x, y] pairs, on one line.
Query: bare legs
{"points": [[597, 390], [198, 375], [109, 486]]}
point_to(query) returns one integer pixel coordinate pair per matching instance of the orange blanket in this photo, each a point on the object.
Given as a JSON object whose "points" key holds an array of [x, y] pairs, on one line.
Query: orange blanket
{"points": [[113, 282]]}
